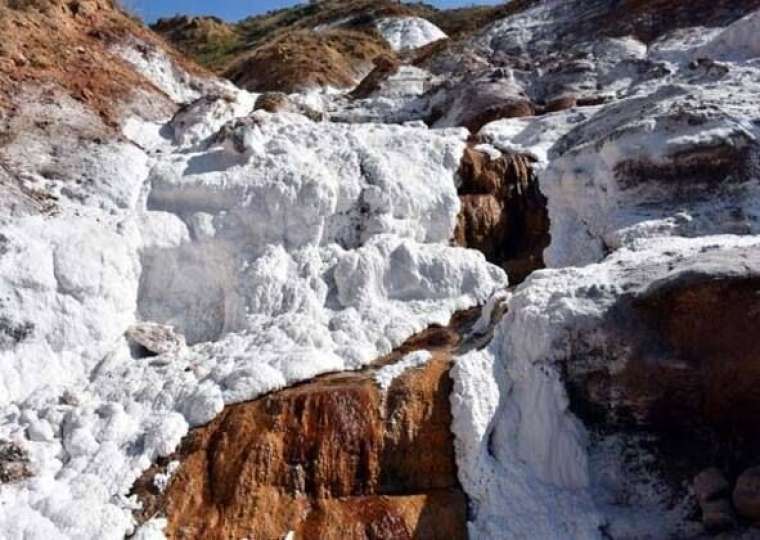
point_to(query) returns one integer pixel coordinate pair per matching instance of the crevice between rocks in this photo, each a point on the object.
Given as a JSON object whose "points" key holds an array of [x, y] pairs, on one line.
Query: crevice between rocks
{"points": [[336, 457]]}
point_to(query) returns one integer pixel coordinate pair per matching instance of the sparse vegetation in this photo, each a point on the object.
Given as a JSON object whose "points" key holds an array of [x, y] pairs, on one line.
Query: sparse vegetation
{"points": [[218, 45], [305, 58]]}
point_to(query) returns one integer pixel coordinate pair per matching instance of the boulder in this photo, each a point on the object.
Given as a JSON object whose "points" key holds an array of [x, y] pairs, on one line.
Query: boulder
{"points": [[710, 485], [385, 66], [151, 339], [718, 515], [476, 101], [276, 102], [560, 104], [747, 494]]}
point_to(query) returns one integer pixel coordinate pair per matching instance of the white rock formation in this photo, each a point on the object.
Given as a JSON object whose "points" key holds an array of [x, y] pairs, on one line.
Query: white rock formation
{"points": [[281, 248], [651, 189], [405, 33]]}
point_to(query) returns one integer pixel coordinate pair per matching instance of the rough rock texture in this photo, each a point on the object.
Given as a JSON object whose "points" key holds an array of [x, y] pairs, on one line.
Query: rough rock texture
{"points": [[14, 463], [333, 458], [690, 377], [712, 377], [503, 211], [67, 44], [474, 102], [614, 384], [153, 339], [285, 249], [274, 102]]}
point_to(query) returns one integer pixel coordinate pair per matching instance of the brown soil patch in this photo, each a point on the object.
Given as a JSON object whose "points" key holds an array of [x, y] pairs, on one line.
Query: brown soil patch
{"points": [[64, 43], [304, 59]]}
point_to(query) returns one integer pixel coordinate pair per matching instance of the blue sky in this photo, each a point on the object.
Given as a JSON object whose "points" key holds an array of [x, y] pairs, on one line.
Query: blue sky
{"points": [[234, 10]]}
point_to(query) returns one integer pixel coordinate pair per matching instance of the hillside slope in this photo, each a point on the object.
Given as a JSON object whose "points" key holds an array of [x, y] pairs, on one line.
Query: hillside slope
{"points": [[332, 41]]}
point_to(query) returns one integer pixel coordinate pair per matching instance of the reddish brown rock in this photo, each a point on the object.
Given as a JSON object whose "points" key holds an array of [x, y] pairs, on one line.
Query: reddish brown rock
{"points": [[508, 108], [275, 102], [385, 66], [561, 104], [476, 101], [503, 212], [332, 458]]}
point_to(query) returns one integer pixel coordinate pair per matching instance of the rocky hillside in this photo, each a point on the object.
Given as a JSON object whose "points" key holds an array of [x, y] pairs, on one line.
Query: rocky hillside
{"points": [[331, 42], [487, 273]]}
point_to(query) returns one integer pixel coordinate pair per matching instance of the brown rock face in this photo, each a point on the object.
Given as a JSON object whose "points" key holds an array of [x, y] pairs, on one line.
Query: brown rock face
{"points": [[385, 66], [709, 326], [65, 44], [561, 104], [476, 101], [273, 102], [503, 212], [693, 375], [693, 169], [508, 108], [333, 458]]}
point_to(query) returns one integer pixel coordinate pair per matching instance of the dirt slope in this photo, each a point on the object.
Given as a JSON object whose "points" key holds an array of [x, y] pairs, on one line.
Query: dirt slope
{"points": [[66, 43]]}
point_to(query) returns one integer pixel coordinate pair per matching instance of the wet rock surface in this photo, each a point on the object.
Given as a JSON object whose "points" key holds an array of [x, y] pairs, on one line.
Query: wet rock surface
{"points": [[332, 458], [503, 211]]}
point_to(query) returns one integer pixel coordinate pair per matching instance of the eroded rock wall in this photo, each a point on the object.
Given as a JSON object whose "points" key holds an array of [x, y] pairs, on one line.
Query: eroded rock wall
{"points": [[339, 457], [503, 213]]}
